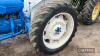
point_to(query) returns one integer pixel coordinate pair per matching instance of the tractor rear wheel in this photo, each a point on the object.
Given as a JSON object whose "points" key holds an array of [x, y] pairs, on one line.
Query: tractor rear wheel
{"points": [[53, 26], [90, 12]]}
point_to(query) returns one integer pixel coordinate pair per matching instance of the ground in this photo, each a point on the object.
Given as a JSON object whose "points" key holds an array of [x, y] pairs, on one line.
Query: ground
{"points": [[86, 37]]}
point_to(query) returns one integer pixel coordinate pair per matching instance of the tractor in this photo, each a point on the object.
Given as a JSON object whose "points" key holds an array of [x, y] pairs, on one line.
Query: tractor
{"points": [[50, 24]]}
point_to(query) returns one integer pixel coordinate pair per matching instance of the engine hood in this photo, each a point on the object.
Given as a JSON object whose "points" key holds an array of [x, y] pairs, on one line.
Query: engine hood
{"points": [[11, 6]]}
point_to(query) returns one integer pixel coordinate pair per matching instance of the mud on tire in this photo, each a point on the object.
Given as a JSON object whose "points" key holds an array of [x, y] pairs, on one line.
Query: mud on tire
{"points": [[42, 16]]}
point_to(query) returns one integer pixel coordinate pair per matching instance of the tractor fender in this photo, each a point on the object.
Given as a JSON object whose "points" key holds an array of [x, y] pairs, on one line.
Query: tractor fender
{"points": [[28, 6]]}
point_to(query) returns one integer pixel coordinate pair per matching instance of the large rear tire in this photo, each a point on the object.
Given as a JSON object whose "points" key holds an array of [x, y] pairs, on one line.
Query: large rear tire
{"points": [[77, 4], [53, 26], [90, 12]]}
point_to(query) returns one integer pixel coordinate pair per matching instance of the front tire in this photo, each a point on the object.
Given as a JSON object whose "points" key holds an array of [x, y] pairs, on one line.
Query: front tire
{"points": [[54, 21]]}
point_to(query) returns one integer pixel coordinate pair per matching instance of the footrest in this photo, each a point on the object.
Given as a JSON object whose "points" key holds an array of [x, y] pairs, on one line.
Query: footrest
{"points": [[9, 35]]}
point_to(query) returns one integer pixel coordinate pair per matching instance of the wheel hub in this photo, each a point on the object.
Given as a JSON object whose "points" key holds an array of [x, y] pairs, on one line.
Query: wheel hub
{"points": [[96, 11], [58, 30]]}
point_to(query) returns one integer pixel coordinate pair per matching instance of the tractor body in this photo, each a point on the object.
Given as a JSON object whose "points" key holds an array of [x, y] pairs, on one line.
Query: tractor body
{"points": [[15, 17]]}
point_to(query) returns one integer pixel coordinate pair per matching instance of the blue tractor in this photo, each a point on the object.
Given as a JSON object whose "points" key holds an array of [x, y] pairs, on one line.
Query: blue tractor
{"points": [[51, 25]]}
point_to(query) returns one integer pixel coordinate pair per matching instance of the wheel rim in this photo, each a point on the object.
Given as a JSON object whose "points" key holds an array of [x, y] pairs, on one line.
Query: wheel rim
{"points": [[58, 30], [96, 11]]}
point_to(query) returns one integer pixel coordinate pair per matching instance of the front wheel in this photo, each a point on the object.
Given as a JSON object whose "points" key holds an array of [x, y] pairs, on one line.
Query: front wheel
{"points": [[53, 28]]}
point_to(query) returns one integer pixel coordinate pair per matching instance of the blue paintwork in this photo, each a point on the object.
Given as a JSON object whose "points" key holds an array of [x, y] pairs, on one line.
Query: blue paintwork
{"points": [[4, 24], [58, 30], [10, 6], [13, 26]]}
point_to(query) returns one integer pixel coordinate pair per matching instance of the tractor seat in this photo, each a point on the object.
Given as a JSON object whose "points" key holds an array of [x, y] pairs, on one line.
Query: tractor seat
{"points": [[11, 6]]}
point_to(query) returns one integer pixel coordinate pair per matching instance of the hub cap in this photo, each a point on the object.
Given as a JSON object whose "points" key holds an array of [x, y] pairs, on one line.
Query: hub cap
{"points": [[58, 30], [96, 11]]}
